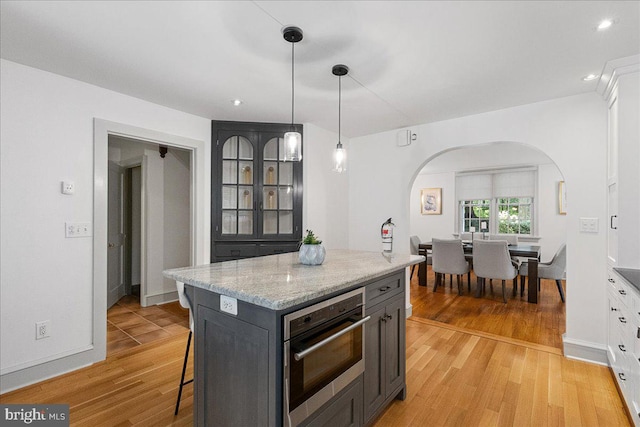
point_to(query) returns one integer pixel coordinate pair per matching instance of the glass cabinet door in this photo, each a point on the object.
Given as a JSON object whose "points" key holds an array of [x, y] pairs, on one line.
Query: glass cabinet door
{"points": [[238, 189], [277, 190]]}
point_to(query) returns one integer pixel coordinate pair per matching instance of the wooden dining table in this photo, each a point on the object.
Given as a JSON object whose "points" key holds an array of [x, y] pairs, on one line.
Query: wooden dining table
{"points": [[531, 252]]}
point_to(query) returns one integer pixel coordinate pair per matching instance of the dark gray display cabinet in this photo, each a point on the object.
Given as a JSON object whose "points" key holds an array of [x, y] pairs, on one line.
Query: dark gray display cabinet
{"points": [[256, 201], [385, 353]]}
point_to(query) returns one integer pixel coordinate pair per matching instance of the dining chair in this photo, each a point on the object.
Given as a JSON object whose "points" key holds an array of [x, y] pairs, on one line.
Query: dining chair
{"points": [[553, 269], [511, 239], [491, 260], [414, 247], [448, 258], [185, 303]]}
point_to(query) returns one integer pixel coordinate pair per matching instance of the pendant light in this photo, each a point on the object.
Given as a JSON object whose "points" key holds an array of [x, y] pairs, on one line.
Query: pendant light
{"points": [[292, 139], [340, 154]]}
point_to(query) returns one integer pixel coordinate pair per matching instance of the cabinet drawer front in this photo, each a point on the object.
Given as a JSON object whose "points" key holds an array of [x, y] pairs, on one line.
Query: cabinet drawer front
{"points": [[239, 251], [382, 289], [274, 249]]}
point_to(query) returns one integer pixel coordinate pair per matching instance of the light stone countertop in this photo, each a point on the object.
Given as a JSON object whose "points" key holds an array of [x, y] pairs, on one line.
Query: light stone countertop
{"points": [[278, 282]]}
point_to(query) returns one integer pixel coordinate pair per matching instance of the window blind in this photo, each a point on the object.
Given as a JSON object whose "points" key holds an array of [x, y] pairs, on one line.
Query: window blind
{"points": [[490, 185]]}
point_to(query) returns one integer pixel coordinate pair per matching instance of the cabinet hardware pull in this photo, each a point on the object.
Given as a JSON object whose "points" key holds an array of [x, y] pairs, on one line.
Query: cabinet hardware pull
{"points": [[327, 340], [622, 320], [389, 316], [638, 333], [621, 376], [383, 318], [621, 347], [614, 309], [385, 288], [611, 280], [622, 292], [611, 222]]}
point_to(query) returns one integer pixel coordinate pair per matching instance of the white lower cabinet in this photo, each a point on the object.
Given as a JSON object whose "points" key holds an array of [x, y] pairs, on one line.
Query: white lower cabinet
{"points": [[623, 341]]}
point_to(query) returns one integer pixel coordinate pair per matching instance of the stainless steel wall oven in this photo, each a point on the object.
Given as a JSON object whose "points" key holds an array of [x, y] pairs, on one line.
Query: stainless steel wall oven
{"points": [[323, 353]]}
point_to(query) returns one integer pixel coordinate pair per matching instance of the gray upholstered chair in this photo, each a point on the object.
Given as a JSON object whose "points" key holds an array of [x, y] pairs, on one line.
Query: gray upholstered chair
{"points": [[414, 242], [448, 258], [553, 269], [511, 239], [491, 260], [467, 236]]}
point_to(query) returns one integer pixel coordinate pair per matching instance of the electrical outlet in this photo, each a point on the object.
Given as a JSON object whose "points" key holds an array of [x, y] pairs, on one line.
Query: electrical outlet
{"points": [[68, 187], [43, 329], [229, 305]]}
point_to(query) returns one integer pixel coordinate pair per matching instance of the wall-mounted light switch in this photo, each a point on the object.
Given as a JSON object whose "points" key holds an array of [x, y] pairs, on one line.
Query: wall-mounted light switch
{"points": [[589, 225], [77, 229]]}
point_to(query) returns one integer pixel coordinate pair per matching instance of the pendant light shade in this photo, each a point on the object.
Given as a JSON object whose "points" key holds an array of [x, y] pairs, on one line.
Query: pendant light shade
{"points": [[340, 154], [292, 139]]}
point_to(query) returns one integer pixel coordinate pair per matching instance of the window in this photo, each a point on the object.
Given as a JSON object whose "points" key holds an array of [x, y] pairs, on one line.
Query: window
{"points": [[499, 201], [514, 215], [475, 212]]}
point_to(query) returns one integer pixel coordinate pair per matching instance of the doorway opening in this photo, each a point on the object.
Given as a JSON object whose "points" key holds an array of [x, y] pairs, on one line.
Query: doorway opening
{"points": [[458, 174], [195, 198], [149, 223]]}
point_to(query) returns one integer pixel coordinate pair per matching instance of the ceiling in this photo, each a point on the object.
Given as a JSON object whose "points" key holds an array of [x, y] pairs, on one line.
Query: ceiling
{"points": [[411, 62]]}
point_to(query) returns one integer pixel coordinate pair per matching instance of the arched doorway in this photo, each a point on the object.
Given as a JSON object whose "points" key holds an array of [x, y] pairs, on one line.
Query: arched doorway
{"points": [[544, 225]]}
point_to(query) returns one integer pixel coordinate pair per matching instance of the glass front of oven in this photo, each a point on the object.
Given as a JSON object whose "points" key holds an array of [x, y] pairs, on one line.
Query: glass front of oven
{"points": [[320, 367]]}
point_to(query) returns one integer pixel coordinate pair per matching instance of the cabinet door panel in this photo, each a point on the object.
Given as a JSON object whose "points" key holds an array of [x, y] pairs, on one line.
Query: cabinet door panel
{"points": [[395, 347], [233, 360], [374, 393]]}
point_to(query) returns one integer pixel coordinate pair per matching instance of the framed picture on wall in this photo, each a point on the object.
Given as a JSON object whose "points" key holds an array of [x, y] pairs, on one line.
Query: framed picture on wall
{"points": [[562, 198], [431, 201]]}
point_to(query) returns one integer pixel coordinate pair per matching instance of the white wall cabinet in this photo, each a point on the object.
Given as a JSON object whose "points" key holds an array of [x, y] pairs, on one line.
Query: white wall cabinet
{"points": [[623, 344], [623, 232], [623, 173]]}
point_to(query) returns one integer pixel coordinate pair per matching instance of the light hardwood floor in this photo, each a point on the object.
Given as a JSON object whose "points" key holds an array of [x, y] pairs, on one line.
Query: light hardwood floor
{"points": [[542, 323], [455, 377]]}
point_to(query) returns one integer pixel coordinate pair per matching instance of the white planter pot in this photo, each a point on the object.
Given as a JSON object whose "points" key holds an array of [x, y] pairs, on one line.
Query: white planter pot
{"points": [[311, 254]]}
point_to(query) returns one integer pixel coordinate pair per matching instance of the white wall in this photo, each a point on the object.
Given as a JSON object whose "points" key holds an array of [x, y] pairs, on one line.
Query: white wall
{"points": [[571, 131], [428, 227], [551, 225], [177, 224], [46, 137], [325, 197]]}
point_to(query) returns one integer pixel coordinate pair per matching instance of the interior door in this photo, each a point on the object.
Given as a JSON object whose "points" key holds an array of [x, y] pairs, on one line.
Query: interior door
{"points": [[115, 235]]}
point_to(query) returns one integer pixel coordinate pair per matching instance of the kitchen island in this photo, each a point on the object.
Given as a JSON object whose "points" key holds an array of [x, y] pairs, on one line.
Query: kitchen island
{"points": [[239, 309]]}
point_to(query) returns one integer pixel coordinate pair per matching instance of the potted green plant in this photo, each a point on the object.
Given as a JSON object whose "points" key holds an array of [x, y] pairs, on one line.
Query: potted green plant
{"points": [[311, 250]]}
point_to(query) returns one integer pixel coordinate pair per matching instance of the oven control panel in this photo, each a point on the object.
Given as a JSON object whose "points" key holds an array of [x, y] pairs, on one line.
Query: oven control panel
{"points": [[317, 317]]}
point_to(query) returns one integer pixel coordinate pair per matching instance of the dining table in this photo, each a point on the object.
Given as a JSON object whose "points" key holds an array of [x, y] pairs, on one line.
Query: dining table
{"points": [[531, 252]]}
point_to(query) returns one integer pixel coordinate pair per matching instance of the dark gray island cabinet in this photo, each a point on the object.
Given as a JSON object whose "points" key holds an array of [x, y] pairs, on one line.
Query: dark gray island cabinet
{"points": [[278, 343]]}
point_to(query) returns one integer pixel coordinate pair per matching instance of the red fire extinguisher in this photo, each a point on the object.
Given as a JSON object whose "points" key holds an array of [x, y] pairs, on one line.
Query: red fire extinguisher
{"points": [[386, 232]]}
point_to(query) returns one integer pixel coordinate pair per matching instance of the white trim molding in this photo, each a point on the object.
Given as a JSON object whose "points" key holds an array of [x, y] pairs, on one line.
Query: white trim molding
{"points": [[585, 351], [614, 69]]}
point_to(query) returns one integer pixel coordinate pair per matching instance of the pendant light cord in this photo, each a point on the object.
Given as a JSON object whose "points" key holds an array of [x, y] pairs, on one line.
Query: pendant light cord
{"points": [[292, 83], [339, 108]]}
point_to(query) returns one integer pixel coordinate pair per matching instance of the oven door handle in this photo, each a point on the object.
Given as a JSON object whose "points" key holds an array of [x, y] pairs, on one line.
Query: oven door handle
{"points": [[327, 340]]}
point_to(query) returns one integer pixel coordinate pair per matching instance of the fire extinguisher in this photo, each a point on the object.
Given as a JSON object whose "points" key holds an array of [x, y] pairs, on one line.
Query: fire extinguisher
{"points": [[386, 232]]}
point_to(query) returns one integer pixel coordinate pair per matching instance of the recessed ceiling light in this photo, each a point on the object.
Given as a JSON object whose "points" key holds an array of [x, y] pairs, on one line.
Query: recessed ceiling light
{"points": [[590, 77], [237, 102], [605, 24]]}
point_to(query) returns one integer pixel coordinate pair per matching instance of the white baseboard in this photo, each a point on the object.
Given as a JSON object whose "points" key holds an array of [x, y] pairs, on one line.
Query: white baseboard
{"points": [[161, 298], [585, 351], [43, 371], [408, 311]]}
